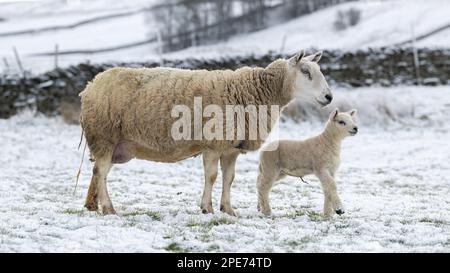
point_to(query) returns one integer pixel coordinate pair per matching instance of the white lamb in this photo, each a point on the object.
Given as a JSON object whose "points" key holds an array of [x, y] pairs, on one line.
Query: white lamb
{"points": [[319, 155]]}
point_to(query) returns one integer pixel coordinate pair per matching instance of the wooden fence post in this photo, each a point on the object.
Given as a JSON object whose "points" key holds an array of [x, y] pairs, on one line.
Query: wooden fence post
{"points": [[19, 62], [415, 56], [56, 55]]}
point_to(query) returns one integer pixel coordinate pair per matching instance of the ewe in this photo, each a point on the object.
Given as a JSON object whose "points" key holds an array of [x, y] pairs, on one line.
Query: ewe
{"points": [[319, 155], [126, 113]]}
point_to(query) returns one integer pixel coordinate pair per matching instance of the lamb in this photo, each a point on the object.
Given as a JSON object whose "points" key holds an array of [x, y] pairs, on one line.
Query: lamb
{"points": [[126, 113], [319, 155]]}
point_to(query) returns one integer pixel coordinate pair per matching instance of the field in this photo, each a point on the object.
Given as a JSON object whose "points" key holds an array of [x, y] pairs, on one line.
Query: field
{"points": [[394, 182]]}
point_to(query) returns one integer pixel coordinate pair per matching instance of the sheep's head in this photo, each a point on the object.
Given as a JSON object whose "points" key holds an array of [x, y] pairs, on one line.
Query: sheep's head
{"points": [[308, 81], [343, 123]]}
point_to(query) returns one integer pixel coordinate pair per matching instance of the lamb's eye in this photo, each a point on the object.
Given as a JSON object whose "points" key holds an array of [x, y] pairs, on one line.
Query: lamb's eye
{"points": [[341, 122]]}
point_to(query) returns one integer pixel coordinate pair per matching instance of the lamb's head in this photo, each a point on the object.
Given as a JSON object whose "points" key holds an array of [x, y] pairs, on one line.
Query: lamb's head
{"points": [[342, 123], [307, 80]]}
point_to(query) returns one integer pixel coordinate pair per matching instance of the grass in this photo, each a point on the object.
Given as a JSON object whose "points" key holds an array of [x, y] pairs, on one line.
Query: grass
{"points": [[397, 241], [295, 214], [152, 214], [213, 247], [210, 224], [220, 221], [174, 247], [312, 215], [438, 222], [315, 216], [405, 222], [342, 225], [78, 212], [302, 242]]}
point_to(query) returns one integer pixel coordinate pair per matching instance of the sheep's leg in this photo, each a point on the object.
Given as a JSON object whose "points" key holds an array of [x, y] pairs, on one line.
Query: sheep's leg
{"points": [[227, 164], [91, 202], [332, 200], [210, 162], [101, 170]]}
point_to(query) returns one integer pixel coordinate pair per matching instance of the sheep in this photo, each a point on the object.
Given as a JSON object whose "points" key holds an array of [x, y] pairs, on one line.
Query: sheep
{"points": [[319, 155], [126, 113]]}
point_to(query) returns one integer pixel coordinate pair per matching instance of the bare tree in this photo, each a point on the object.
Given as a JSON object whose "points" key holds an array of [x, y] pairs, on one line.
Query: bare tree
{"points": [[185, 23]]}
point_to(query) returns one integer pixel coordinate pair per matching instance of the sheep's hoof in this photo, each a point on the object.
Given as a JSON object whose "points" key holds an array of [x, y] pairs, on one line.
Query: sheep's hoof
{"points": [[340, 211], [264, 210], [108, 210], [227, 210], [92, 206]]}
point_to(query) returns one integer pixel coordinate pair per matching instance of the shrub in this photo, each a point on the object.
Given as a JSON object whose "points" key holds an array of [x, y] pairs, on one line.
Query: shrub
{"points": [[348, 18]]}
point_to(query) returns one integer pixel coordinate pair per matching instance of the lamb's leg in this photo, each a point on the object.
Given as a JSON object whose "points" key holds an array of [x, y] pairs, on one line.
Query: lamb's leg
{"points": [[210, 162], [332, 201], [264, 185], [227, 164], [101, 169]]}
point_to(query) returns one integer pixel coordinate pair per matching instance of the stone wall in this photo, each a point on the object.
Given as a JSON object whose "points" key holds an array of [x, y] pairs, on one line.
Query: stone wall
{"points": [[379, 67]]}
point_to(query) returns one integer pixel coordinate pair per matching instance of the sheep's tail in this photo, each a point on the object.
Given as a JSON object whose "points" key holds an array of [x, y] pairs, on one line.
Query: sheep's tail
{"points": [[82, 159]]}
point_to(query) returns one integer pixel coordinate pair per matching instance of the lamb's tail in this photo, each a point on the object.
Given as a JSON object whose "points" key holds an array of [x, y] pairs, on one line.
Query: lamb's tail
{"points": [[82, 159]]}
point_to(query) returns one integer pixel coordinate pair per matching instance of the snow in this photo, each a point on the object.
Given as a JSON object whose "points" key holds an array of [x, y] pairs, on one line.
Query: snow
{"points": [[437, 41], [383, 23], [393, 180], [45, 8], [84, 37], [102, 34]]}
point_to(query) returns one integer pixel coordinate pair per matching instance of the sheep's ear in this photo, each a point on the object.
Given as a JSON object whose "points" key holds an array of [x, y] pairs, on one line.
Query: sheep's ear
{"points": [[315, 57], [334, 114], [299, 56], [353, 112]]}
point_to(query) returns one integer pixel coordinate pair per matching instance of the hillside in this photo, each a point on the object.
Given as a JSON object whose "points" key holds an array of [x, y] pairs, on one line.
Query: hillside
{"points": [[383, 23]]}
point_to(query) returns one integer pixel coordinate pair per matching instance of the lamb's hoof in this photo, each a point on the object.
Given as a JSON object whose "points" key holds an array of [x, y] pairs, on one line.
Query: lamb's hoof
{"points": [[340, 211], [227, 210], [91, 206], [266, 213], [108, 210], [207, 209]]}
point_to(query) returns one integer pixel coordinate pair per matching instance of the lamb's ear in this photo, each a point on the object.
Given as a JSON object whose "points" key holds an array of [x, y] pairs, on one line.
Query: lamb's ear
{"points": [[334, 114], [353, 112], [315, 57], [298, 57]]}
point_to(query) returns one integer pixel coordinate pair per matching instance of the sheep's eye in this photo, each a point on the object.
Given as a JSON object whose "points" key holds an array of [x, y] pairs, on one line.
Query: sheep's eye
{"points": [[341, 122], [306, 73]]}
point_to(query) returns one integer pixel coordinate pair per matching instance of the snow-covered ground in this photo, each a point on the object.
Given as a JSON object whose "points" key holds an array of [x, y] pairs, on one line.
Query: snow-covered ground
{"points": [[383, 23], [394, 182]]}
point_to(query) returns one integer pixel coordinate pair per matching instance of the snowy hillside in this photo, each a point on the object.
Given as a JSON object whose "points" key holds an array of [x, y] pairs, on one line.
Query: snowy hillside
{"points": [[118, 30], [393, 180], [383, 23]]}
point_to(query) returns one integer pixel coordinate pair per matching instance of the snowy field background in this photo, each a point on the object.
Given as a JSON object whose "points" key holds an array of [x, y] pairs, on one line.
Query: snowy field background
{"points": [[393, 180], [383, 23]]}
